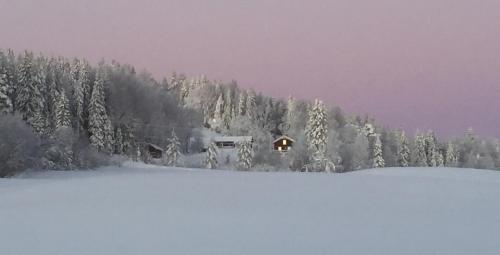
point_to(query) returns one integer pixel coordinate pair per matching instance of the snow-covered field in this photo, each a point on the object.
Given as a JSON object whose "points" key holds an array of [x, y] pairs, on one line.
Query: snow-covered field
{"points": [[139, 209]]}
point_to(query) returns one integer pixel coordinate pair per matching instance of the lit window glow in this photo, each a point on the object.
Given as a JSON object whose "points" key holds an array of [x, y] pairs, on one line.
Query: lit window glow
{"points": [[284, 142]]}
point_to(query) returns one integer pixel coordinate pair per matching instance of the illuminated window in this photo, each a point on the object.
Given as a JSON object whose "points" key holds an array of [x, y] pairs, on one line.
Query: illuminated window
{"points": [[279, 148], [284, 142]]}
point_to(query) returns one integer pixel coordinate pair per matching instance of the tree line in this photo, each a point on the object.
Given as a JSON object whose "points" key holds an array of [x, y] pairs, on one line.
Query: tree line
{"points": [[65, 114]]}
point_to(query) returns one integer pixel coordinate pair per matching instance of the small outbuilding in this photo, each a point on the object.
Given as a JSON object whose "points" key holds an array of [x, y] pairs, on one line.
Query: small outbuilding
{"points": [[283, 143], [154, 150], [226, 142]]}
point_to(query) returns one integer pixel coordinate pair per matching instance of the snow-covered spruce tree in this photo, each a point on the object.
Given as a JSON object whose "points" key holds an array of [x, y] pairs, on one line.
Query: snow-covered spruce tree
{"points": [[5, 102], [317, 129], [60, 155], [245, 155], [378, 159], [12, 77], [211, 157], [242, 103], [317, 137], [291, 115], [118, 141], [128, 139], [137, 154], [97, 113], [172, 83], [78, 92], [368, 130], [40, 121], [451, 156], [86, 83], [52, 96], [403, 150], [420, 151], [62, 114], [109, 137], [251, 105], [359, 153], [431, 149], [228, 110], [6, 105], [29, 99], [218, 121], [439, 159], [173, 151], [185, 90], [268, 111]]}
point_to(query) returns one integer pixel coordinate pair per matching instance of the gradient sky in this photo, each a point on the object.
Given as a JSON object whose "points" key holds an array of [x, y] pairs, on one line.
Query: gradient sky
{"points": [[421, 63]]}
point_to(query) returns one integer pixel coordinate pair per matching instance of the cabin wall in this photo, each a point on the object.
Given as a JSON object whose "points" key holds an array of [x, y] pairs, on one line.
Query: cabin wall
{"points": [[285, 145]]}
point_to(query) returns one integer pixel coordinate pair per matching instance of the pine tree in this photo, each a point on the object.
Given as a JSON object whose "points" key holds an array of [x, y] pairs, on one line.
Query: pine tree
{"points": [[378, 160], [317, 130], [211, 157], [62, 114], [403, 150], [420, 151], [245, 155], [451, 156], [173, 151], [97, 113]]}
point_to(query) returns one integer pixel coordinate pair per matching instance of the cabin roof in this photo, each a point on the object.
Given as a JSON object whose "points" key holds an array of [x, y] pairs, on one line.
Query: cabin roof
{"points": [[154, 146], [283, 137]]}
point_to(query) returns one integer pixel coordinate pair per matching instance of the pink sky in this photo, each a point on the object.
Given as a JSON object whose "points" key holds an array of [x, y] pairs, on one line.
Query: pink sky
{"points": [[421, 63]]}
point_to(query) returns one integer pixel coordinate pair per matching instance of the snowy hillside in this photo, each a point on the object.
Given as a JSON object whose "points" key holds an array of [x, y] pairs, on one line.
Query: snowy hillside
{"points": [[139, 209]]}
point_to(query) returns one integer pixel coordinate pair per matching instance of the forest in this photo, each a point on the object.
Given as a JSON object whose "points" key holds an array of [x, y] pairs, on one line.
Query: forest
{"points": [[62, 114]]}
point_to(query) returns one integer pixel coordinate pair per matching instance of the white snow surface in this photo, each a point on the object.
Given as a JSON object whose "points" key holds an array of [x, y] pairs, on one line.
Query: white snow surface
{"points": [[142, 209]]}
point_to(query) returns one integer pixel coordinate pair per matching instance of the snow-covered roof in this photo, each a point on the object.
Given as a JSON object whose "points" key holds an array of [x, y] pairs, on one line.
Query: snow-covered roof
{"points": [[232, 139], [210, 136], [235, 139], [283, 137]]}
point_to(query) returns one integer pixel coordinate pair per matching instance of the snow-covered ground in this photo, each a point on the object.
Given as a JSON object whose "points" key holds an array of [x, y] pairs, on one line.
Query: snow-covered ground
{"points": [[139, 209]]}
